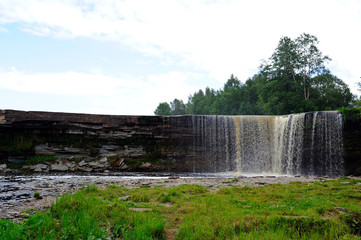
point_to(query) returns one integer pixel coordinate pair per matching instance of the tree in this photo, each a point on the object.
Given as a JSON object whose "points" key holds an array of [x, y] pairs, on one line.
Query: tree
{"points": [[163, 109], [310, 60], [294, 79], [330, 92], [177, 107], [298, 59], [232, 83]]}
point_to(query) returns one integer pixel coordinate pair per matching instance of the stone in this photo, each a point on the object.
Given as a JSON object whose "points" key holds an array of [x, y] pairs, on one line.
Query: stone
{"points": [[44, 149], [344, 210], [115, 161], [124, 167], [1, 169], [97, 164], [85, 169], [125, 198], [141, 209], [145, 166], [104, 160], [3, 166], [82, 163], [59, 167], [39, 167]]}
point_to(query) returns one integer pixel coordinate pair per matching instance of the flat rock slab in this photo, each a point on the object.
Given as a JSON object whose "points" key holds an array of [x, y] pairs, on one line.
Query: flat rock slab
{"points": [[59, 167]]}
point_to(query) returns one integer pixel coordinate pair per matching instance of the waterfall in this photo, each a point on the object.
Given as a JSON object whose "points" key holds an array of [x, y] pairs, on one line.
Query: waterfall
{"points": [[296, 144]]}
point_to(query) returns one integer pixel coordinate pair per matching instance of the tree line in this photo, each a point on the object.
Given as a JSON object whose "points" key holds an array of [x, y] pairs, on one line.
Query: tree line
{"points": [[294, 79]]}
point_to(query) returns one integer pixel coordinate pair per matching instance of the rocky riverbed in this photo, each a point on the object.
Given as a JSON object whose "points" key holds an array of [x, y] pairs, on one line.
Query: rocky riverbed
{"points": [[17, 192]]}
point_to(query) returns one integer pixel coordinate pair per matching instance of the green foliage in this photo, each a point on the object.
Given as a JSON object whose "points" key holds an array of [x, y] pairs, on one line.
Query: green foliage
{"points": [[351, 113], [40, 159], [294, 79], [163, 109]]}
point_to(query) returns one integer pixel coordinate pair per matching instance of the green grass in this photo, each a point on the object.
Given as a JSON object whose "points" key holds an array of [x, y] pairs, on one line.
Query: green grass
{"points": [[40, 159], [321, 210]]}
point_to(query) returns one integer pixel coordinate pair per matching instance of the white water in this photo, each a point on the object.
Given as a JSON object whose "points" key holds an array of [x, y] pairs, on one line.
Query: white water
{"points": [[281, 145]]}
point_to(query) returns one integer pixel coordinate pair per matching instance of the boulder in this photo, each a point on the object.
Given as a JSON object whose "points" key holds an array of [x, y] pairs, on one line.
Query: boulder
{"points": [[39, 167], [3, 166], [59, 167]]}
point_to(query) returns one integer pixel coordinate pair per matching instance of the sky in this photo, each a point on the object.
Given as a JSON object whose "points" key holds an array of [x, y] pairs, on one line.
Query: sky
{"points": [[125, 57]]}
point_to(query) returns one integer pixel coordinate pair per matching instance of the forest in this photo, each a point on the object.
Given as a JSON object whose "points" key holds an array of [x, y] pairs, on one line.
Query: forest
{"points": [[293, 79]]}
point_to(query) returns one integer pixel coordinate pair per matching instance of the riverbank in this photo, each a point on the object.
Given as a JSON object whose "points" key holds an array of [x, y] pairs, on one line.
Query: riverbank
{"points": [[17, 192]]}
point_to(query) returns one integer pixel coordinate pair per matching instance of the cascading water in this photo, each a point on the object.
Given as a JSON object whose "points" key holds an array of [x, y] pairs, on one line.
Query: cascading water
{"points": [[297, 144]]}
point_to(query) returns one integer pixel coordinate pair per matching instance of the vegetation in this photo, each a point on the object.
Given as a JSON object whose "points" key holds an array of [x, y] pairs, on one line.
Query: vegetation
{"points": [[40, 159], [294, 79], [321, 210]]}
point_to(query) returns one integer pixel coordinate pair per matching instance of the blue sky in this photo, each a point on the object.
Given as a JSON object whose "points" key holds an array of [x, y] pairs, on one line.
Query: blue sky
{"points": [[125, 57]]}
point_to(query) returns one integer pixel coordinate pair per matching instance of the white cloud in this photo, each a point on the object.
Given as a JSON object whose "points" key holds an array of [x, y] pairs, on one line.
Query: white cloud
{"points": [[220, 37], [98, 93]]}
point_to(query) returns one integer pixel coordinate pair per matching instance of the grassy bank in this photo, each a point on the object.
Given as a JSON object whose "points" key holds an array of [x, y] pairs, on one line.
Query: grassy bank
{"points": [[321, 210]]}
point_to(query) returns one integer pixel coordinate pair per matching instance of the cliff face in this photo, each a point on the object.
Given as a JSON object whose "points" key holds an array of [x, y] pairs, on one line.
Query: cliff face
{"points": [[161, 141], [86, 142], [352, 145]]}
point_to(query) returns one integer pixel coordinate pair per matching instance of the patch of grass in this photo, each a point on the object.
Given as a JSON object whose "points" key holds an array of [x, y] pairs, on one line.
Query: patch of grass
{"points": [[233, 180], [321, 210], [40, 159], [37, 195]]}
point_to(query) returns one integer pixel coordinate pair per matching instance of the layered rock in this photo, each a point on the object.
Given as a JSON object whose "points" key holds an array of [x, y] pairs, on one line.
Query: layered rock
{"points": [[86, 142], [127, 142]]}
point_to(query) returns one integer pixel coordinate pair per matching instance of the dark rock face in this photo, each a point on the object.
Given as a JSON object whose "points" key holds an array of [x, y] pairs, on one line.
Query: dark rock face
{"points": [[161, 141], [86, 142], [352, 146]]}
